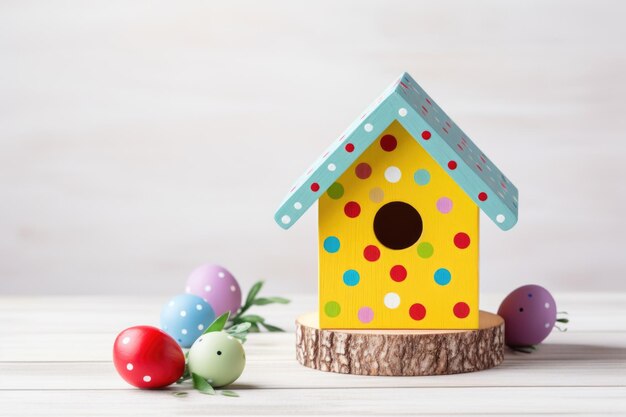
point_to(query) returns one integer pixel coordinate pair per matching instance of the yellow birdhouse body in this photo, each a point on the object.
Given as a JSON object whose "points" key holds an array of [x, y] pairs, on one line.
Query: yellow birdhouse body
{"points": [[422, 275], [399, 196]]}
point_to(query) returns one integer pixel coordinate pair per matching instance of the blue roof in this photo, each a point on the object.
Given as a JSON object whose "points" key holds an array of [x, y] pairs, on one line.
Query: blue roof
{"points": [[406, 102]]}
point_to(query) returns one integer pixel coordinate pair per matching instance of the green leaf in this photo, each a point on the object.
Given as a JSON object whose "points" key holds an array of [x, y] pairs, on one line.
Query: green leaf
{"points": [[239, 328], [269, 300], [563, 320], [229, 393], [271, 328], [251, 318], [202, 385], [218, 324], [254, 328], [180, 393], [240, 331], [242, 337], [253, 293]]}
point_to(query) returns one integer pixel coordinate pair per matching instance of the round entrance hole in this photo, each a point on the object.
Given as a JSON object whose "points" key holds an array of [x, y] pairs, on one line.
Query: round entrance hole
{"points": [[398, 225]]}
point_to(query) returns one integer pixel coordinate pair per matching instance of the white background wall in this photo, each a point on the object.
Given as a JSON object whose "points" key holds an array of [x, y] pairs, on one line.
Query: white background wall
{"points": [[139, 139]]}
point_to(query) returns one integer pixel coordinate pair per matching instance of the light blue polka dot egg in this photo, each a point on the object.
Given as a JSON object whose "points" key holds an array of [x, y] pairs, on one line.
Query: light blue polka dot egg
{"points": [[185, 317]]}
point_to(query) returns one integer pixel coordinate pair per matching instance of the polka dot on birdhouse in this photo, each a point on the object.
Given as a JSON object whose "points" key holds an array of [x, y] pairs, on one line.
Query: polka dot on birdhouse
{"points": [[331, 167], [444, 205], [368, 127], [417, 311], [352, 209], [452, 165], [315, 187], [500, 218], [391, 300], [421, 177], [349, 148], [377, 195], [332, 309], [426, 135], [285, 219], [425, 250], [335, 191], [297, 205], [351, 277], [393, 174], [388, 143], [363, 170], [371, 253], [365, 315], [442, 276], [461, 240], [398, 273], [461, 310], [482, 196], [402, 112], [331, 244]]}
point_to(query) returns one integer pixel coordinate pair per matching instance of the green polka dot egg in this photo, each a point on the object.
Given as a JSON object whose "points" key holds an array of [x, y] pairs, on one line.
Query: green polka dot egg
{"points": [[218, 357]]}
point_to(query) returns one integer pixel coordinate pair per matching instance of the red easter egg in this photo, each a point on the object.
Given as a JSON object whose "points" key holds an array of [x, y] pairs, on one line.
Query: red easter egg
{"points": [[147, 357]]}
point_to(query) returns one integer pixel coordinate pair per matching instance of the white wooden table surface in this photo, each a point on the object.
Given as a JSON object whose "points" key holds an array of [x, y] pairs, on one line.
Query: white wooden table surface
{"points": [[55, 359]]}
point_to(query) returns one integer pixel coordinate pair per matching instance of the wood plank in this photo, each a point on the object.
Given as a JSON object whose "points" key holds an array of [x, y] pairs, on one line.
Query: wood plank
{"points": [[82, 347], [515, 372], [93, 314], [497, 401]]}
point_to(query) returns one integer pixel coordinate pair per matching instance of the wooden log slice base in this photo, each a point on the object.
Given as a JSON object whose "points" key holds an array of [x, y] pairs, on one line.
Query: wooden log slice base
{"points": [[400, 352]]}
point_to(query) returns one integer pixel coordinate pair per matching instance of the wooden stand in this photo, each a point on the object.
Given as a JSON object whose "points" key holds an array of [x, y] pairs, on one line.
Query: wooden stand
{"points": [[400, 352]]}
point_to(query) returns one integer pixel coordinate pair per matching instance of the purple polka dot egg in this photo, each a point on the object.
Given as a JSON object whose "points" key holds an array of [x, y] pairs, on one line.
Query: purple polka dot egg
{"points": [[217, 286], [185, 317], [529, 314]]}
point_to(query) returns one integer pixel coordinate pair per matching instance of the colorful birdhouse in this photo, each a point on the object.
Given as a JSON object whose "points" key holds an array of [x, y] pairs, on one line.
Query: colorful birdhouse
{"points": [[399, 194]]}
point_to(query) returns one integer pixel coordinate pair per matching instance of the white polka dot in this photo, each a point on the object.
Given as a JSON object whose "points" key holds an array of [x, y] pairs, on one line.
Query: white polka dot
{"points": [[198, 306], [547, 325], [393, 174], [332, 167], [368, 127], [221, 274], [233, 288], [200, 326], [285, 219], [183, 313], [125, 340], [207, 288], [147, 378], [129, 366], [402, 112], [392, 300], [547, 305], [183, 331], [297, 205], [500, 218]]}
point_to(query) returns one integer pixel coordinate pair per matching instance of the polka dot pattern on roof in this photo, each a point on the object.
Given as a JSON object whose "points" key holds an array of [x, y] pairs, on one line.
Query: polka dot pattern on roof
{"points": [[431, 126]]}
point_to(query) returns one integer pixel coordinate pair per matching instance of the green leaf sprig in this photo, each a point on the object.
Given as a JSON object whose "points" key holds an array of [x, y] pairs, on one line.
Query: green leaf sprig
{"points": [[239, 327], [256, 322]]}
